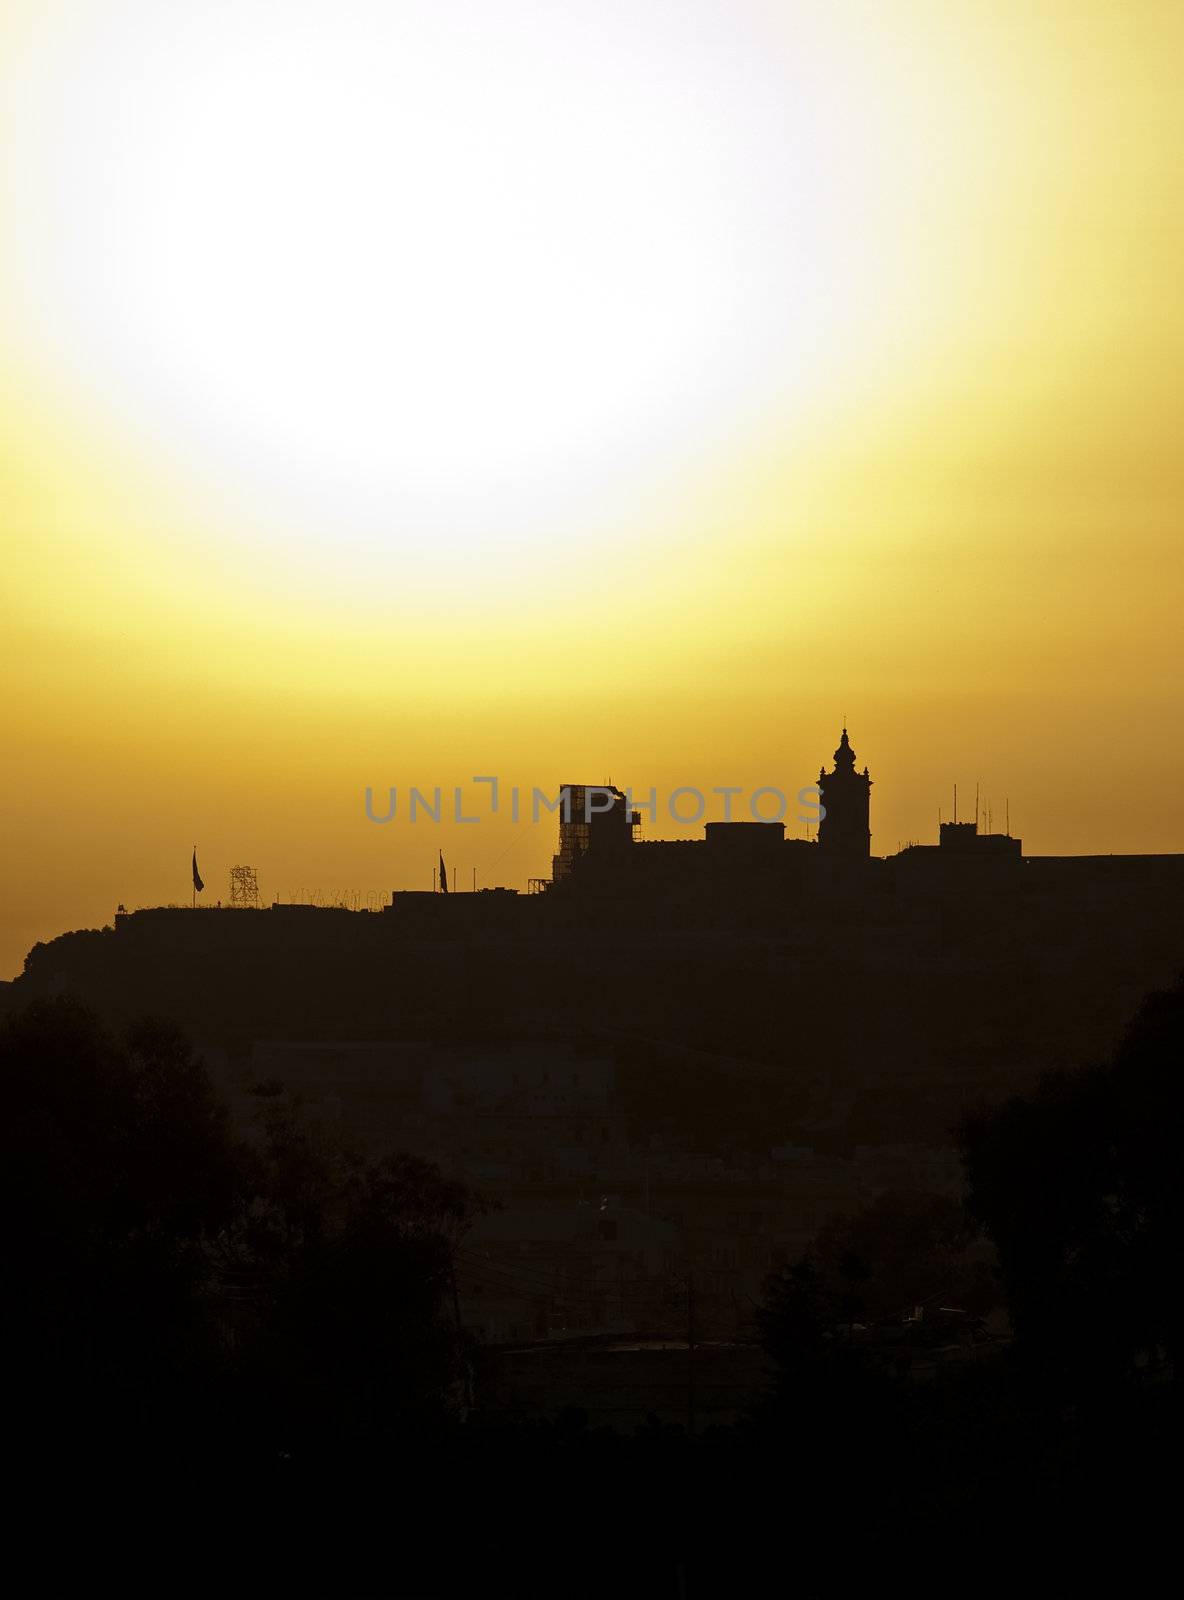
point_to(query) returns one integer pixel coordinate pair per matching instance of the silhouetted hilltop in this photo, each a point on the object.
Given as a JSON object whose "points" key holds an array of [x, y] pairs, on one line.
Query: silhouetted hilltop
{"points": [[888, 1001]]}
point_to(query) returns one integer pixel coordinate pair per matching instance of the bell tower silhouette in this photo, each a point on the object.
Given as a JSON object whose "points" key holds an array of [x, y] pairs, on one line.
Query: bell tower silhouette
{"points": [[846, 797]]}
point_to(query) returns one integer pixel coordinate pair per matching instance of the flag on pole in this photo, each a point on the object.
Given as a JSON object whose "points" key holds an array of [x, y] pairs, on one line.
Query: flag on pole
{"points": [[198, 885], [443, 875]]}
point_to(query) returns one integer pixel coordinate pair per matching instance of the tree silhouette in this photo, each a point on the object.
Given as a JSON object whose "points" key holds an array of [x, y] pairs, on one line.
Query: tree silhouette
{"points": [[1078, 1185], [178, 1287]]}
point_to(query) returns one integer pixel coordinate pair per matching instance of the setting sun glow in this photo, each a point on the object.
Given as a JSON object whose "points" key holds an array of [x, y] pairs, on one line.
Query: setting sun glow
{"points": [[396, 392]]}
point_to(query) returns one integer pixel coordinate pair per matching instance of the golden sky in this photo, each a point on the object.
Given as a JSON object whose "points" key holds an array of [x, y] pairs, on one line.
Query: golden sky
{"points": [[396, 393]]}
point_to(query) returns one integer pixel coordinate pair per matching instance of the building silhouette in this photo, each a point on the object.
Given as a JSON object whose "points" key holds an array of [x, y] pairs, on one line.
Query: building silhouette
{"points": [[845, 828], [829, 897], [594, 819]]}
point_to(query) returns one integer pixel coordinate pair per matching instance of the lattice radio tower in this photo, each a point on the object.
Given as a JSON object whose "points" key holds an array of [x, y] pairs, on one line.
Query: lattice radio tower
{"points": [[244, 887]]}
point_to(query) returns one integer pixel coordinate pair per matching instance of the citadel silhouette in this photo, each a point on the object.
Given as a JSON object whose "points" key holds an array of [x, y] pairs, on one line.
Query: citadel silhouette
{"points": [[740, 876], [597, 848]]}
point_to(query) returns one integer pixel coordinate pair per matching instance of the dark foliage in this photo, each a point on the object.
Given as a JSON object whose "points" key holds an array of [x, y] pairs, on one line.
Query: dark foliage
{"points": [[175, 1289], [1079, 1187], [242, 1359]]}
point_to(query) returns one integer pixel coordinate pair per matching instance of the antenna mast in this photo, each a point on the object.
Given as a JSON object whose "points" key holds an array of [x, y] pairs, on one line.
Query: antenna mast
{"points": [[244, 886]]}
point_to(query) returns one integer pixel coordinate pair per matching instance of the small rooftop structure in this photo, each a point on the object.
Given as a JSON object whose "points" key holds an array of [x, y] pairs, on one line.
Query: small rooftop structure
{"points": [[963, 838], [745, 838]]}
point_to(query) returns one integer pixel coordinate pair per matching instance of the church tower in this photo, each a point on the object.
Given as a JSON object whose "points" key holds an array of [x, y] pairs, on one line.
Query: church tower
{"points": [[846, 797]]}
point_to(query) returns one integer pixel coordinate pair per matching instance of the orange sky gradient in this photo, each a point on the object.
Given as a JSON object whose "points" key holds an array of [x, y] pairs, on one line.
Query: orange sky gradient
{"points": [[836, 368]]}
